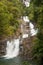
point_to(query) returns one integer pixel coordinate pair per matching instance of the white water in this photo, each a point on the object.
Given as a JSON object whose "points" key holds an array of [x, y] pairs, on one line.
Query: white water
{"points": [[27, 3], [24, 35], [32, 30], [12, 49], [25, 18]]}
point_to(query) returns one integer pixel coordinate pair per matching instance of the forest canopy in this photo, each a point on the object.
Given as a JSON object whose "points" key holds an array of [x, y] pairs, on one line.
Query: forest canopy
{"points": [[10, 13], [36, 16]]}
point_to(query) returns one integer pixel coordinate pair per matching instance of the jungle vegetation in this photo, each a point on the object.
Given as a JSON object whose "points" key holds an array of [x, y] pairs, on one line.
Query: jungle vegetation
{"points": [[36, 16], [10, 13]]}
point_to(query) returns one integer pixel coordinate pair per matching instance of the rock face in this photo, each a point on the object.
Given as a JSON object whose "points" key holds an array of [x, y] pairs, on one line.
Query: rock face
{"points": [[3, 47], [26, 44], [26, 49]]}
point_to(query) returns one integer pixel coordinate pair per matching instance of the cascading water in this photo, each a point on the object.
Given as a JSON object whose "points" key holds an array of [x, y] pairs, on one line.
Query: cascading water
{"points": [[26, 19], [32, 30], [24, 35], [12, 49], [27, 3]]}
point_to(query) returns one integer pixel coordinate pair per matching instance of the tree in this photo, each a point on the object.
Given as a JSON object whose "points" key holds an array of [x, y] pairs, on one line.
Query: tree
{"points": [[36, 15], [10, 13]]}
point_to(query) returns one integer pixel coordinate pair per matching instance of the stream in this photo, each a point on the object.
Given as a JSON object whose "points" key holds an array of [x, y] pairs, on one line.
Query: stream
{"points": [[12, 50]]}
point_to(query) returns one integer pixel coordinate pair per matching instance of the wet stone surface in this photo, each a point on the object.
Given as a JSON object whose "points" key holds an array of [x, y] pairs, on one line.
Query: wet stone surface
{"points": [[3, 48]]}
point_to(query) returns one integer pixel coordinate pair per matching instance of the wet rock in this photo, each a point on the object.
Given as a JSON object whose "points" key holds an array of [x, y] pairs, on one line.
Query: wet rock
{"points": [[3, 47], [26, 51]]}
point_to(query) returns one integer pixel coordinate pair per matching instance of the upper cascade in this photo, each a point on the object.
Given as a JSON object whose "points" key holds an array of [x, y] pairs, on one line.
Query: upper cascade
{"points": [[26, 2]]}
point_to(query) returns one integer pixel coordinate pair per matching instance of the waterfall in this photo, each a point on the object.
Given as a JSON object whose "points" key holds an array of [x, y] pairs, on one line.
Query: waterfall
{"points": [[26, 2], [26, 19], [12, 49], [24, 35], [32, 30]]}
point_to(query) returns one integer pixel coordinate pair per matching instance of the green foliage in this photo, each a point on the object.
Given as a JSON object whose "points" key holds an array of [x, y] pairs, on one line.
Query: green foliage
{"points": [[36, 15], [10, 13], [26, 63]]}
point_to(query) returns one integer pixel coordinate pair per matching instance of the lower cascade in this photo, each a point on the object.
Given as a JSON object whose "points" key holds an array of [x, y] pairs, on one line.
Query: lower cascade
{"points": [[12, 49]]}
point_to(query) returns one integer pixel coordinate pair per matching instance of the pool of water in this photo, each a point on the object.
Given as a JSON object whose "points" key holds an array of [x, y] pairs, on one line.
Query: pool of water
{"points": [[15, 61]]}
